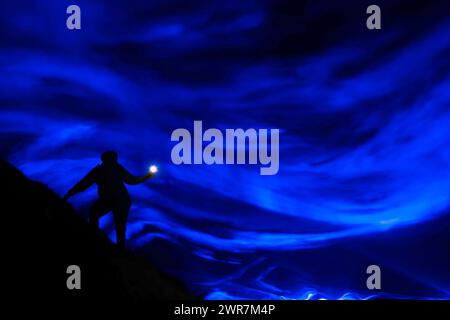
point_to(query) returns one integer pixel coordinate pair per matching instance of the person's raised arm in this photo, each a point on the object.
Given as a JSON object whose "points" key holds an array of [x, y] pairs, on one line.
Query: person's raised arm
{"points": [[87, 181], [130, 179]]}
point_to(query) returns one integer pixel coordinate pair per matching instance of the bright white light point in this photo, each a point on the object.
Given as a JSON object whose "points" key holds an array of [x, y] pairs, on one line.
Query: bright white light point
{"points": [[153, 169]]}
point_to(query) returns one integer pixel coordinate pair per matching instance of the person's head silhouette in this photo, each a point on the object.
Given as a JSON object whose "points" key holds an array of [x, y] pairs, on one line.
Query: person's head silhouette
{"points": [[109, 157]]}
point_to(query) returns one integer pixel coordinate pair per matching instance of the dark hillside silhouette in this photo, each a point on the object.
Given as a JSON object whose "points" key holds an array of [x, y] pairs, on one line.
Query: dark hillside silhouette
{"points": [[46, 236]]}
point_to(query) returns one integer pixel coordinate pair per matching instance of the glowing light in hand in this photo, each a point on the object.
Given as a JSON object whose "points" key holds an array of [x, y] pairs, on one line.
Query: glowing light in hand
{"points": [[153, 169]]}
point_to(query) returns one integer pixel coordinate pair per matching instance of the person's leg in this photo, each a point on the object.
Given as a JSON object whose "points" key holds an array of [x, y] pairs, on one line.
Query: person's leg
{"points": [[120, 212], [98, 209]]}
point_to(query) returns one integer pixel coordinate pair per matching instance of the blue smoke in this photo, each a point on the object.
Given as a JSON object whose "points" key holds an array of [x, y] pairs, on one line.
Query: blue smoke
{"points": [[364, 144]]}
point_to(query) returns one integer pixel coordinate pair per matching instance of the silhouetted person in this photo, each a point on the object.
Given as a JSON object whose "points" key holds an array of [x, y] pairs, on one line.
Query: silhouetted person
{"points": [[113, 195]]}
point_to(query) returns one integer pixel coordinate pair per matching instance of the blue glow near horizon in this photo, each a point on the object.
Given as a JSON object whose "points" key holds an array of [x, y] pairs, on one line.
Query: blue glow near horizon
{"points": [[361, 153]]}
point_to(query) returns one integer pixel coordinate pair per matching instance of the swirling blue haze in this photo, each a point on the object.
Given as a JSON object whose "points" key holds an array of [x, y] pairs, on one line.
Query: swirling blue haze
{"points": [[364, 148]]}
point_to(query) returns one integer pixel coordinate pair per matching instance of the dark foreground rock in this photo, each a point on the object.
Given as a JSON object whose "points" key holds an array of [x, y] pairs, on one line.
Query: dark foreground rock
{"points": [[44, 236]]}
